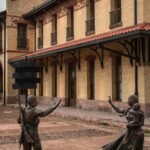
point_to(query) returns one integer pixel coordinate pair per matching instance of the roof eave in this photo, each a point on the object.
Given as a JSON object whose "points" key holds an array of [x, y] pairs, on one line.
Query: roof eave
{"points": [[91, 43], [41, 8]]}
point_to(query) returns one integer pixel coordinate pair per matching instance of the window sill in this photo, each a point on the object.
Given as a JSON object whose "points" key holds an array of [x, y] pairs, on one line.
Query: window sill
{"points": [[40, 47], [70, 38], [53, 43], [90, 32], [112, 26], [20, 48]]}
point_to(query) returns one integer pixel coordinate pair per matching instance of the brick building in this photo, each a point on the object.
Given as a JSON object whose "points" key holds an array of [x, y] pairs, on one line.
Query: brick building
{"points": [[89, 49]]}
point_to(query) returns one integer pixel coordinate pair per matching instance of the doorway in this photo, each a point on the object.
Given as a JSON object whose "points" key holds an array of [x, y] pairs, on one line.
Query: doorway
{"points": [[71, 84]]}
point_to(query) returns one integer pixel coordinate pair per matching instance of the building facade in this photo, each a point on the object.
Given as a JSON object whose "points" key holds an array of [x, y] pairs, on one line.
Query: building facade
{"points": [[89, 50]]}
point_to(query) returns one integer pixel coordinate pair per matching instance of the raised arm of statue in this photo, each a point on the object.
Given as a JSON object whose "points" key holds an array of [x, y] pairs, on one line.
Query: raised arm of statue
{"points": [[48, 111], [117, 109]]}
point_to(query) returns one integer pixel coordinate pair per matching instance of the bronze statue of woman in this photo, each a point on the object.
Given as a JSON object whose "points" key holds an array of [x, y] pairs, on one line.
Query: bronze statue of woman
{"points": [[133, 138]]}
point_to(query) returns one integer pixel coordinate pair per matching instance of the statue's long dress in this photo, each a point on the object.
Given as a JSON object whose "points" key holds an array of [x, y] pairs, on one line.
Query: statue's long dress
{"points": [[132, 139]]}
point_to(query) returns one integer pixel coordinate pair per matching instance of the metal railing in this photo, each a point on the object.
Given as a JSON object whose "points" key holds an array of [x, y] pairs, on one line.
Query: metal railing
{"points": [[70, 32], [90, 25], [54, 38], [115, 16], [40, 42], [22, 43]]}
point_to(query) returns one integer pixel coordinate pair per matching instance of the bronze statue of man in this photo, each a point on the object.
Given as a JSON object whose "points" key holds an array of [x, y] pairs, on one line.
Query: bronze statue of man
{"points": [[29, 120]]}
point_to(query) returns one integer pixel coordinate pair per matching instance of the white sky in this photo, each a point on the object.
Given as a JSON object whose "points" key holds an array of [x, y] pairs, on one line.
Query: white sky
{"points": [[2, 5]]}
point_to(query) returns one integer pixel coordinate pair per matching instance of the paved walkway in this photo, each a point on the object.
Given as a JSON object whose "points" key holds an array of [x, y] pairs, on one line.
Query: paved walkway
{"points": [[92, 116]]}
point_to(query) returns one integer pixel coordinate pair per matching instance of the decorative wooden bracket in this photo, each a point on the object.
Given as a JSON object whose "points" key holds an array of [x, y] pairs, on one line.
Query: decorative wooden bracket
{"points": [[100, 55], [44, 64], [135, 50], [76, 58], [59, 60], [129, 49]]}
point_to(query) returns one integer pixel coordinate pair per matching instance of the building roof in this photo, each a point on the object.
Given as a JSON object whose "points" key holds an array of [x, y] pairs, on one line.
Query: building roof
{"points": [[41, 8], [113, 35]]}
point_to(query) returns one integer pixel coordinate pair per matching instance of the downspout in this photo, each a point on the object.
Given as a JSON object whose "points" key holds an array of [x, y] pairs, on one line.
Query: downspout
{"points": [[34, 46], [136, 66], [4, 102], [135, 12], [34, 35]]}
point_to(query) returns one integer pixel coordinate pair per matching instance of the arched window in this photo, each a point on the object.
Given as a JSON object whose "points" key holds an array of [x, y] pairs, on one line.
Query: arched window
{"points": [[117, 78], [91, 77], [54, 80]]}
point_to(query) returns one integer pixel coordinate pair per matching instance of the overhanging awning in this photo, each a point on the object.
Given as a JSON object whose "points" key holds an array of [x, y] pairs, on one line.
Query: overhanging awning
{"points": [[111, 36]]}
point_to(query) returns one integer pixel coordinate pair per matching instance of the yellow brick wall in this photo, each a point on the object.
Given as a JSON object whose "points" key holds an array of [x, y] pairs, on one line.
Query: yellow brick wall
{"points": [[104, 86], [147, 84], [47, 81], [12, 34], [9, 71], [102, 9], [146, 11], [102, 20], [47, 31], [19, 7], [79, 23], [127, 79], [82, 76], [15, 10], [61, 32], [103, 80], [60, 82]]}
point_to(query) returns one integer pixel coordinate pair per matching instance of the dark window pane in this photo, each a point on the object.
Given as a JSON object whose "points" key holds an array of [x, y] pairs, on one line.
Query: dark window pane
{"points": [[22, 36], [91, 79], [118, 78], [54, 80]]}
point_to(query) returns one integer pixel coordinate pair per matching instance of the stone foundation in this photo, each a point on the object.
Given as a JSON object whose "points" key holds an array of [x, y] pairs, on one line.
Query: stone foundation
{"points": [[99, 105], [11, 99]]}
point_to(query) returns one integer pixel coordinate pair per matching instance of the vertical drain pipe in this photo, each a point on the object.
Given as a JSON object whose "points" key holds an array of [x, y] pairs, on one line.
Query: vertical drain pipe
{"points": [[136, 66], [4, 90], [34, 21]]}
